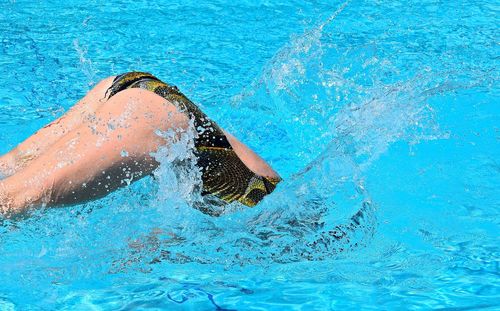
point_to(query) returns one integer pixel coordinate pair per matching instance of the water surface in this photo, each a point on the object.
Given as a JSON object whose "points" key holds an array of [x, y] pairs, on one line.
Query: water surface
{"points": [[382, 117]]}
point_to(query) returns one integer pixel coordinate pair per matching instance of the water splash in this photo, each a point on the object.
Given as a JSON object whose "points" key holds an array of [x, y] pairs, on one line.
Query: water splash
{"points": [[361, 104], [325, 95], [302, 220], [86, 64], [327, 112], [178, 176]]}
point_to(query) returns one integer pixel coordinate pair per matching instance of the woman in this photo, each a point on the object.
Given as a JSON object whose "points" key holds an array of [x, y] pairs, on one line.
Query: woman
{"points": [[79, 157]]}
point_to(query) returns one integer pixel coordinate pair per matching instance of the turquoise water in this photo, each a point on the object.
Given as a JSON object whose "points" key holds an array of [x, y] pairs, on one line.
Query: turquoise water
{"points": [[382, 116]]}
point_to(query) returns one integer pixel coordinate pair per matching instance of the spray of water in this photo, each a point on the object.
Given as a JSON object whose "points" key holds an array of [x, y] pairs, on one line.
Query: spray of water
{"points": [[317, 213], [86, 64], [314, 92], [358, 108]]}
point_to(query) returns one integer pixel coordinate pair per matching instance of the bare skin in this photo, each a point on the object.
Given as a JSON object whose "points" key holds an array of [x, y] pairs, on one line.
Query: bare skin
{"points": [[79, 157], [33, 146]]}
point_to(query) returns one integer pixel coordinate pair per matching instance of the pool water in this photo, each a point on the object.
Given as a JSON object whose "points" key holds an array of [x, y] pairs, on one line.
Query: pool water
{"points": [[381, 116]]}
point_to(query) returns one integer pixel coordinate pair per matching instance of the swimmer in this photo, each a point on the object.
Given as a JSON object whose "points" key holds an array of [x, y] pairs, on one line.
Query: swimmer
{"points": [[79, 157]]}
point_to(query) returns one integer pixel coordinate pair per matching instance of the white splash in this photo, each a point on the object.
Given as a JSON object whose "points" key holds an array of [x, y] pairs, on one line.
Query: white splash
{"points": [[178, 176], [85, 63]]}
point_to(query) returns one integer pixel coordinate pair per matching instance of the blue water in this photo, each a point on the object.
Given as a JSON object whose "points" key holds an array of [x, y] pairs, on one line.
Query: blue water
{"points": [[382, 117]]}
